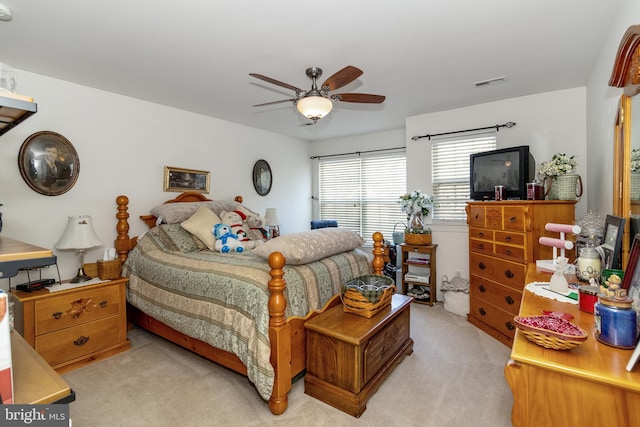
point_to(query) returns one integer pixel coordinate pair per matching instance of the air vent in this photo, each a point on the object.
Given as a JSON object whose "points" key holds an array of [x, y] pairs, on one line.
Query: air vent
{"points": [[489, 81]]}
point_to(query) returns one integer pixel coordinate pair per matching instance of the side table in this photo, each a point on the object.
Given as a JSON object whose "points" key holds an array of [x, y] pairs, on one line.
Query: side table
{"points": [[74, 327], [423, 268]]}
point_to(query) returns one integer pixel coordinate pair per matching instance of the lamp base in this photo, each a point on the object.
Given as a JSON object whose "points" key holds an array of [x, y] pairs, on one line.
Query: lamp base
{"points": [[81, 276]]}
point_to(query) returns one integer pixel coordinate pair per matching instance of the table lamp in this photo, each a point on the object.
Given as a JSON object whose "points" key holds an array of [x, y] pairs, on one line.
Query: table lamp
{"points": [[80, 236], [272, 222]]}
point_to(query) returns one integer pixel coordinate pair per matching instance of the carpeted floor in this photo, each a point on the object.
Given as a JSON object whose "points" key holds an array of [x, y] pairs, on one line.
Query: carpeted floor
{"points": [[453, 378]]}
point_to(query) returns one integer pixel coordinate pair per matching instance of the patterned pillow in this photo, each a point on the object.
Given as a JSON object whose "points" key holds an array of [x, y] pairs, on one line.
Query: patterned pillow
{"points": [[172, 213], [308, 246], [200, 225], [175, 238]]}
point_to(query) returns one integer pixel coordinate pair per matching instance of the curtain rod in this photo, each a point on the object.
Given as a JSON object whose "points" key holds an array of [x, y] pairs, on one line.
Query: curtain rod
{"points": [[496, 127], [358, 152]]}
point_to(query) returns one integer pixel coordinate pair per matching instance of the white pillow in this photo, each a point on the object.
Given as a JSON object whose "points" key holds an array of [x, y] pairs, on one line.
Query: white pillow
{"points": [[200, 225], [308, 246]]}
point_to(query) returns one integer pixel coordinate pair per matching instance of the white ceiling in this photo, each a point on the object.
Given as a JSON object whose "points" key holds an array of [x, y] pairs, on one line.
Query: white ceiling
{"points": [[196, 55]]}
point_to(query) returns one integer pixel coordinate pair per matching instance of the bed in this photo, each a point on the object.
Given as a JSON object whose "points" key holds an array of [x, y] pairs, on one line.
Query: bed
{"points": [[245, 311]]}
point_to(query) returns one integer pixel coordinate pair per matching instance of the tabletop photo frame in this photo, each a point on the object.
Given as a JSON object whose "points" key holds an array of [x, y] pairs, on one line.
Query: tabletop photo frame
{"points": [[612, 244], [631, 282]]}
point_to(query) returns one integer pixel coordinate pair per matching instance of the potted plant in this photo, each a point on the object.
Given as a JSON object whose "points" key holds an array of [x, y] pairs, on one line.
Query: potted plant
{"points": [[561, 183], [417, 205]]}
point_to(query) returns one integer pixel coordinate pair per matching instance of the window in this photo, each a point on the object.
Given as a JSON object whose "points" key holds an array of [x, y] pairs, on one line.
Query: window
{"points": [[450, 174], [362, 193]]}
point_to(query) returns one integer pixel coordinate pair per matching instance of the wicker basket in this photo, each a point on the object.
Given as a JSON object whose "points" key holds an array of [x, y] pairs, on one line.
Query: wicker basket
{"points": [[356, 302], [416, 239], [549, 338], [108, 270]]}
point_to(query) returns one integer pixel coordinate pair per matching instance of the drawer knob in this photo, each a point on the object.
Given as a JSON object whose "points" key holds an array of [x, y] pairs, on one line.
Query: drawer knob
{"points": [[482, 311], [509, 326], [512, 219], [82, 340], [477, 216], [57, 315], [482, 288], [480, 246], [509, 274], [508, 251], [481, 234], [481, 266], [103, 304], [507, 239], [509, 300]]}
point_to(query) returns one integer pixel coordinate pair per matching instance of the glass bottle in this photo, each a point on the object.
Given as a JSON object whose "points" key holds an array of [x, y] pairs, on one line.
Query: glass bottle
{"points": [[589, 263]]}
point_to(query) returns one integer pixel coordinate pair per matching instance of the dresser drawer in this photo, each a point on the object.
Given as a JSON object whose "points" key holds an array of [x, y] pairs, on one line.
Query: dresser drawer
{"points": [[483, 246], [475, 216], [512, 253], [385, 344], [498, 270], [493, 317], [71, 309], [515, 218], [480, 233], [503, 297], [68, 344]]}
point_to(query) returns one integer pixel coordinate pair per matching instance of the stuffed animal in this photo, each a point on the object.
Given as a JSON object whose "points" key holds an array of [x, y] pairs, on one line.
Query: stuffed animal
{"points": [[226, 241], [253, 224], [235, 219]]}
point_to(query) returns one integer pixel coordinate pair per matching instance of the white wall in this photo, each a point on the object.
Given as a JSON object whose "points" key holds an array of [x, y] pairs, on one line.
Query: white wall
{"points": [[123, 145]]}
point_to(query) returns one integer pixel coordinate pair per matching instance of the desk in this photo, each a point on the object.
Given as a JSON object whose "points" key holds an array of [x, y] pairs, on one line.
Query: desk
{"points": [[587, 385], [15, 255], [34, 381]]}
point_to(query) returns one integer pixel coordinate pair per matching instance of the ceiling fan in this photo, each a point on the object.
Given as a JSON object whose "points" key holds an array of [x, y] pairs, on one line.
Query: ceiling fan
{"points": [[317, 103]]}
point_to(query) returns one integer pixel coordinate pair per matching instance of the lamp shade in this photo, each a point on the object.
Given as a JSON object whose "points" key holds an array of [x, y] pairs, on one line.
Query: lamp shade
{"points": [[271, 217], [79, 234], [314, 107]]}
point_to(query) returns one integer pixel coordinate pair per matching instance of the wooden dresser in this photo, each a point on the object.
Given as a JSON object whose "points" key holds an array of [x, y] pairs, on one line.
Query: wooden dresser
{"points": [[503, 239], [74, 327], [348, 356], [584, 386]]}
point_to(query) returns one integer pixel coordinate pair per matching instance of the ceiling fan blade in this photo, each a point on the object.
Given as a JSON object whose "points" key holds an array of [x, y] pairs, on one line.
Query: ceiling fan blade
{"points": [[342, 77], [363, 98], [274, 102], [275, 82]]}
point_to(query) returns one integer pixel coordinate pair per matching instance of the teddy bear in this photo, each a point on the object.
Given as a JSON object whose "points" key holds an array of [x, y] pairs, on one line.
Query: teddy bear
{"points": [[226, 241], [235, 219], [253, 224]]}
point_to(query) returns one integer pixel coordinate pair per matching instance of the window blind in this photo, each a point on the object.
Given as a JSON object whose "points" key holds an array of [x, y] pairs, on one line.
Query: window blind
{"points": [[450, 173], [362, 193]]}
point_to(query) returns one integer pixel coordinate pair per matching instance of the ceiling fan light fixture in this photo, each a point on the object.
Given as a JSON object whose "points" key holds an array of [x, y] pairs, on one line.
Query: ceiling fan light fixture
{"points": [[314, 107]]}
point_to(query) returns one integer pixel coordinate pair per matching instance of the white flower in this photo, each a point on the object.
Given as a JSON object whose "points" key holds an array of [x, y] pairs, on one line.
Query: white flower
{"points": [[416, 202], [560, 164]]}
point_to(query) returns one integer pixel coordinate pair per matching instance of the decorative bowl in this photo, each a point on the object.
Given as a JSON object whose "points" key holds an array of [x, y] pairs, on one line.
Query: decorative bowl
{"points": [[551, 331]]}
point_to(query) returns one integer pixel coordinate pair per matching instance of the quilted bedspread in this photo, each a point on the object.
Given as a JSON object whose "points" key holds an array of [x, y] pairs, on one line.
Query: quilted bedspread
{"points": [[222, 299]]}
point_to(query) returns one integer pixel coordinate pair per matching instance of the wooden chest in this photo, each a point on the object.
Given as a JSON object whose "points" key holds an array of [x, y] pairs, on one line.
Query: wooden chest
{"points": [[348, 356], [503, 240], [74, 327]]}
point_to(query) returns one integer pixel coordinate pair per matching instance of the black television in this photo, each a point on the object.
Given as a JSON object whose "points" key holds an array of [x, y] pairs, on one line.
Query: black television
{"points": [[511, 167]]}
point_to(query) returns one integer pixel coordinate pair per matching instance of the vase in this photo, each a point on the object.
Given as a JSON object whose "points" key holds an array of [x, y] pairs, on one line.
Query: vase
{"points": [[565, 187], [635, 185], [416, 222]]}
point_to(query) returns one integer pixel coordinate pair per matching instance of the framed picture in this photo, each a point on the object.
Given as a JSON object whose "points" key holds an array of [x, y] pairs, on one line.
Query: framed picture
{"points": [[48, 163], [178, 179], [612, 244], [631, 279], [262, 179]]}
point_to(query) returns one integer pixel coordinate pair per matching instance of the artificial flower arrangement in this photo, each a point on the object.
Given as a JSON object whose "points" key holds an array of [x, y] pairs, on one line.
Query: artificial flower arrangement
{"points": [[635, 160], [560, 164], [416, 205]]}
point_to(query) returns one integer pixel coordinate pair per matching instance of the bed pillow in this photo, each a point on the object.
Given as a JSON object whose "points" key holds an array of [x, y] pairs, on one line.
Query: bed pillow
{"points": [[200, 225], [308, 246], [171, 213], [176, 239]]}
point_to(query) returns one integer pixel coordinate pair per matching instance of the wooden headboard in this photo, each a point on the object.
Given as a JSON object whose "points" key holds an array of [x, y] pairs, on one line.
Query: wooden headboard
{"points": [[123, 242]]}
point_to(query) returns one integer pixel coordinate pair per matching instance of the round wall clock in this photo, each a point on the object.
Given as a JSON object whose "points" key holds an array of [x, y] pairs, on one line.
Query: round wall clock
{"points": [[262, 177]]}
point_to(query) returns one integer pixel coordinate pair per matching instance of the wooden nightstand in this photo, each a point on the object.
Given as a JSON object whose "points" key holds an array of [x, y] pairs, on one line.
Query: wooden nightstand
{"points": [[72, 328]]}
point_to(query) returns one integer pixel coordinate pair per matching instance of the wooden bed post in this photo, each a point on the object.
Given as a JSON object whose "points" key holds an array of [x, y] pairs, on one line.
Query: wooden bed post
{"points": [[123, 243], [279, 335], [378, 253]]}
